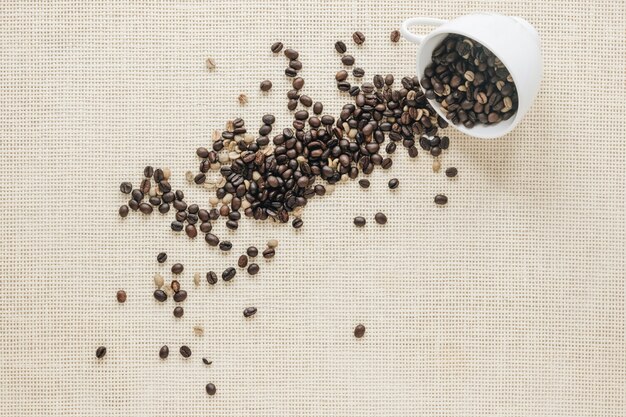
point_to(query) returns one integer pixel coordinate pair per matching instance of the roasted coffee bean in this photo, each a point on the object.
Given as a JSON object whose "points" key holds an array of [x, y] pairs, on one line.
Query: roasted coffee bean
{"points": [[413, 151], [206, 361], [123, 210], [200, 178], [341, 75], [253, 269], [298, 83], [358, 38], [158, 175], [359, 221], [394, 36], [386, 163], [394, 183], [359, 331], [441, 199], [175, 285], [100, 352], [185, 351], [364, 183], [164, 352], [358, 72], [210, 389], [295, 64], [291, 53], [389, 79], [211, 277], [180, 296], [178, 312], [290, 72], [306, 101], [137, 195], [211, 239], [252, 251], [347, 60], [164, 208], [451, 172], [354, 90], [242, 262], [126, 187], [177, 268], [249, 311], [121, 296], [229, 273], [318, 107], [191, 231], [269, 253], [292, 104], [343, 86], [133, 205], [380, 218], [276, 47], [266, 85], [160, 295], [232, 224], [155, 201], [297, 223], [225, 245], [436, 151], [145, 208], [340, 47], [379, 81], [202, 152], [269, 119]]}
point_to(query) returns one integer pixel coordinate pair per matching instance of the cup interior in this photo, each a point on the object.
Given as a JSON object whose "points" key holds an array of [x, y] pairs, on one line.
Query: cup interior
{"points": [[424, 57]]}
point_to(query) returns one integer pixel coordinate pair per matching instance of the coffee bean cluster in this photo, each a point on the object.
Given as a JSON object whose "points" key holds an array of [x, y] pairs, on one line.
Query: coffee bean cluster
{"points": [[471, 84]]}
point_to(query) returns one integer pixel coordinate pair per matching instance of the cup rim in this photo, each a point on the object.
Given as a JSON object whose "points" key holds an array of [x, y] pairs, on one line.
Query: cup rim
{"points": [[437, 107]]}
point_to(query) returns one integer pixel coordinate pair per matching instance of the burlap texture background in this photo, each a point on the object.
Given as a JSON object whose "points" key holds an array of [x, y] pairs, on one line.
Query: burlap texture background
{"points": [[509, 301]]}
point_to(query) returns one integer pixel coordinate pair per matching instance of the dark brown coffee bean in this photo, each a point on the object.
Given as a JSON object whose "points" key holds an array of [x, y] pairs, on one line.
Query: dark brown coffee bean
{"points": [[268, 119], [340, 47], [358, 72], [394, 183], [292, 104], [295, 64], [180, 296], [358, 37], [253, 269], [364, 183], [177, 268], [211, 239], [252, 251], [206, 361], [341, 75], [145, 208], [297, 223], [137, 195], [359, 331], [211, 277], [306, 101], [386, 163], [210, 389], [441, 199], [266, 85], [164, 208], [380, 218], [394, 36], [185, 351], [290, 72], [232, 224], [413, 151], [175, 286], [100, 352], [269, 253], [318, 107], [243, 261], [354, 90], [291, 54], [191, 231], [160, 295], [126, 187], [343, 86], [359, 221], [229, 273], [164, 352], [347, 60], [451, 172], [145, 186], [435, 151], [121, 296], [379, 81], [298, 83], [276, 47], [200, 178], [390, 148], [389, 79], [202, 152], [123, 211], [178, 312], [225, 245], [249, 311], [177, 226]]}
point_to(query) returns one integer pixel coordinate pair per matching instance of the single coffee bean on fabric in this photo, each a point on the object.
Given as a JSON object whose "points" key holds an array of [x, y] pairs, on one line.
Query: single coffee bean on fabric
{"points": [[340, 47], [160, 295], [211, 277], [210, 389], [164, 352], [177, 268], [229, 273], [249, 311], [100, 352], [393, 183], [161, 257], [276, 47], [253, 269], [252, 251], [359, 331], [121, 296], [394, 36], [359, 221], [451, 172], [178, 312], [185, 351], [358, 37], [380, 218], [441, 199], [180, 296]]}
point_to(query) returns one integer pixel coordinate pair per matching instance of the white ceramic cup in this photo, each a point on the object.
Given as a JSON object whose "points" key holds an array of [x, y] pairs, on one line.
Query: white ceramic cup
{"points": [[512, 39]]}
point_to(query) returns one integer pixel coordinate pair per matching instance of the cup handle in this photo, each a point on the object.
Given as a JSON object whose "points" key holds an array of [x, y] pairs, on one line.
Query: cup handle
{"points": [[426, 21]]}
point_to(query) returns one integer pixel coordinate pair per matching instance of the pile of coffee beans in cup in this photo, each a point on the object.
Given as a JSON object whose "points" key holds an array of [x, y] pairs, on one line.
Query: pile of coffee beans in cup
{"points": [[470, 83]]}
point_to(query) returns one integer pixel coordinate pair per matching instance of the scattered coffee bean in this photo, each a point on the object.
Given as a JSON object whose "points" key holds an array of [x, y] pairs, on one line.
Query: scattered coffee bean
{"points": [[249, 312], [364, 183], [298, 83], [164, 352], [266, 85], [358, 38], [177, 268], [394, 36], [242, 262], [291, 54], [253, 269], [441, 199], [380, 218], [177, 226], [225, 245], [123, 211], [347, 60], [297, 223], [393, 183], [269, 253], [178, 312], [160, 295], [359, 331], [211, 277], [206, 361], [358, 72], [276, 47], [252, 251], [145, 208], [451, 172], [229, 273], [161, 257], [180, 296], [100, 352], [359, 221], [185, 351], [121, 296], [318, 107], [340, 47], [210, 389], [211, 239], [126, 187]]}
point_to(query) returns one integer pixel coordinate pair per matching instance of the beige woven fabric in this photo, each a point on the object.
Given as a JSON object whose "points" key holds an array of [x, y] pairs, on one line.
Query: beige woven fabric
{"points": [[509, 301]]}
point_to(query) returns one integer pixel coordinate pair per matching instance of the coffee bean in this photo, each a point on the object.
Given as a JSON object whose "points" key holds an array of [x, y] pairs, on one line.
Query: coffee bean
{"points": [[306, 101], [297, 223], [390, 148], [200, 178], [123, 211], [229, 273], [318, 107], [206, 361], [243, 261], [160, 295], [451, 172], [380, 218], [177, 226], [178, 312], [389, 79], [177, 268], [185, 351], [393, 183], [291, 54], [290, 72], [359, 221], [269, 119], [343, 86], [253, 269], [210, 389], [358, 72], [100, 352], [164, 352], [211, 239], [295, 64], [347, 60], [161, 257], [202, 152], [164, 208], [225, 245], [121, 296], [341, 75], [191, 231], [232, 224], [126, 187], [211, 277], [266, 85], [436, 151], [252, 251], [180, 296], [340, 47], [359, 331], [364, 183], [386, 163], [276, 47], [175, 285], [358, 38], [298, 83], [441, 199], [269, 253], [249, 311], [394, 36], [413, 151], [137, 195]]}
